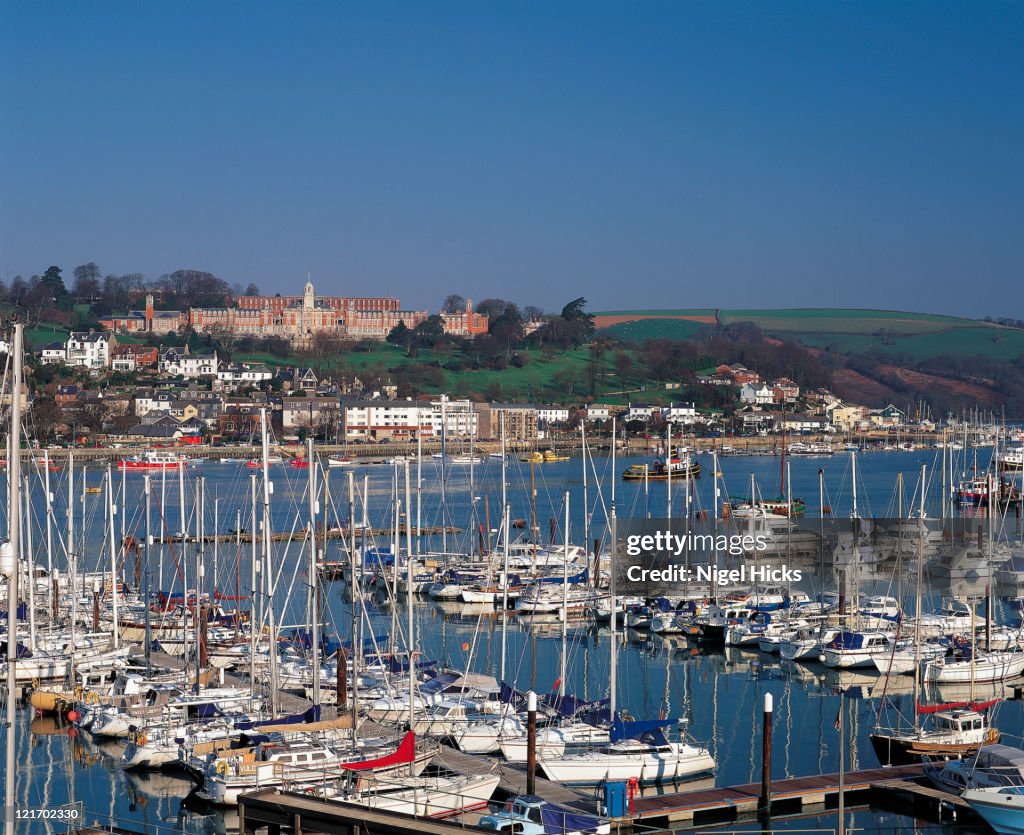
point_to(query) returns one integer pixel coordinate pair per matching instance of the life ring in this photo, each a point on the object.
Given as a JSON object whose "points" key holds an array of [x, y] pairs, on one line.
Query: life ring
{"points": [[142, 739], [92, 698], [222, 767]]}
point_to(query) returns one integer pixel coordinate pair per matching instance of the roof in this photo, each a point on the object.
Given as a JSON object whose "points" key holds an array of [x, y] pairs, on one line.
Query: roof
{"points": [[93, 336]]}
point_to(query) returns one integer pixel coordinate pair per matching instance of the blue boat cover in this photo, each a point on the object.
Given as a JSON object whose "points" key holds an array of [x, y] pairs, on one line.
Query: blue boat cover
{"points": [[559, 821], [635, 730]]}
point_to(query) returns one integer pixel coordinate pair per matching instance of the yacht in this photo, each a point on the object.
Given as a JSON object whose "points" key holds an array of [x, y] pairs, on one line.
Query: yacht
{"points": [[651, 758]]}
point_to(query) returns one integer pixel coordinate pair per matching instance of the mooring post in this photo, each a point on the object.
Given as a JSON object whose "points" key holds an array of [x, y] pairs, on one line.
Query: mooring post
{"points": [[531, 743], [765, 806]]}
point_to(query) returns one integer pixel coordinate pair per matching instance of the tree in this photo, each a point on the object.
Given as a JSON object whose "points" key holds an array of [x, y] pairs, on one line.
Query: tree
{"points": [[400, 335], [492, 307], [453, 303], [54, 282], [252, 290], [427, 332], [87, 282], [533, 313]]}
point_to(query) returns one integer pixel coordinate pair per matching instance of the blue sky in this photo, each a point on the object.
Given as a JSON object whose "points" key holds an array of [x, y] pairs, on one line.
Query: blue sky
{"points": [[654, 154]]}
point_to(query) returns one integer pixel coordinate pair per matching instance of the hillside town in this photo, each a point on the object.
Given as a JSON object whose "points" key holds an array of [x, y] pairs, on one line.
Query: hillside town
{"points": [[195, 398]]}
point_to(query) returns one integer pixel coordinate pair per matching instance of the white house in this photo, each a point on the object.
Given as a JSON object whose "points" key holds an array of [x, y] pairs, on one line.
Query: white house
{"points": [[805, 423], [553, 414], [460, 418], [189, 366], [680, 413], [641, 412], [147, 400], [760, 395], [381, 418], [53, 353], [90, 350], [238, 372], [598, 412]]}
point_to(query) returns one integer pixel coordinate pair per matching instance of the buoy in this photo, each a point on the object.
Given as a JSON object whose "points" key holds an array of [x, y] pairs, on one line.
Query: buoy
{"points": [[72, 715]]}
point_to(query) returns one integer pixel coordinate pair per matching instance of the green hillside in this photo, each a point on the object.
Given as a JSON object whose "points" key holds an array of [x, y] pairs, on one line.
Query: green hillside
{"points": [[917, 335]]}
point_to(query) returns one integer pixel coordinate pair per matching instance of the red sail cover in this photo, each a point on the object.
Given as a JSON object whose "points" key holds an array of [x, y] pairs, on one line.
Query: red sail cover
{"points": [[405, 753], [979, 706]]}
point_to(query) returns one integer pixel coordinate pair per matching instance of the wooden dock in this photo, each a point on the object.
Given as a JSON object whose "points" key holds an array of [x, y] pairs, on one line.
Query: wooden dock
{"points": [[788, 796], [513, 780], [298, 813]]}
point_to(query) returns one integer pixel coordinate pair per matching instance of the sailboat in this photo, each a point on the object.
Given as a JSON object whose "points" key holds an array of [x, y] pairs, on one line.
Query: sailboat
{"points": [[638, 751]]}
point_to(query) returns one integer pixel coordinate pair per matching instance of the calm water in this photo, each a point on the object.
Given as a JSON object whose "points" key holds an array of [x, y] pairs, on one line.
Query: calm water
{"points": [[719, 695]]}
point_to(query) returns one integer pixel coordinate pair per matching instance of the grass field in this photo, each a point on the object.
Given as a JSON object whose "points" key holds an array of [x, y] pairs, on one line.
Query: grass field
{"points": [[918, 335], [643, 329]]}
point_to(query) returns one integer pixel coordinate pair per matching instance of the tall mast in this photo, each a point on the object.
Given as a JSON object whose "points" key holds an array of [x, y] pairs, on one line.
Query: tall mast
{"points": [[506, 514], [145, 584], [72, 568], [197, 619], [113, 553], [357, 591], [255, 623], [586, 503], [268, 573], [917, 597], [30, 563], [314, 573], [565, 598], [9, 558], [49, 524], [613, 623]]}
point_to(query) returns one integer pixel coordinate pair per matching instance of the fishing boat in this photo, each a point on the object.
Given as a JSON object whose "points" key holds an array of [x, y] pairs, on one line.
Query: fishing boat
{"points": [[660, 470], [955, 730], [1012, 458], [298, 463], [334, 461], [258, 462], [152, 460], [981, 491], [548, 456], [816, 448]]}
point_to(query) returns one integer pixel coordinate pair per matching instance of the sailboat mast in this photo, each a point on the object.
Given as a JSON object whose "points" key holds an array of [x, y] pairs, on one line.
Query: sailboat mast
{"points": [[314, 573], [255, 623], [113, 554], [145, 584], [357, 587], [565, 599], [49, 524], [917, 596], [586, 502], [10, 564], [268, 573]]}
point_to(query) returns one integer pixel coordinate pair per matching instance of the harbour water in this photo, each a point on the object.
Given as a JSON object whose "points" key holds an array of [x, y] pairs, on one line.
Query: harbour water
{"points": [[717, 694]]}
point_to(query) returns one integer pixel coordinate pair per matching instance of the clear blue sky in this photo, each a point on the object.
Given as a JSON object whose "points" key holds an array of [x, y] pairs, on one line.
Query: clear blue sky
{"points": [[642, 154]]}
